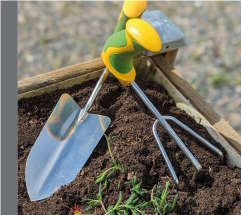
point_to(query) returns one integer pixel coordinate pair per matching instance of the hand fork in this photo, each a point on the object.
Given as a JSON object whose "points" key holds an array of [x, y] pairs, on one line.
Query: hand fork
{"points": [[138, 35], [182, 145]]}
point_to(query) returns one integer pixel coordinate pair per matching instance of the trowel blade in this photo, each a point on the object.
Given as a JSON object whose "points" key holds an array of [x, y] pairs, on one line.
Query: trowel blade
{"points": [[62, 148]]}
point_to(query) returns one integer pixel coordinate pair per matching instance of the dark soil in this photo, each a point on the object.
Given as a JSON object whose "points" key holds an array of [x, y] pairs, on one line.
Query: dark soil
{"points": [[216, 191]]}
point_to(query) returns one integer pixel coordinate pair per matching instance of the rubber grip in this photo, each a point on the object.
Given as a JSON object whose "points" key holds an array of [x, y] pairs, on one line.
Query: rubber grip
{"points": [[131, 9], [121, 47]]}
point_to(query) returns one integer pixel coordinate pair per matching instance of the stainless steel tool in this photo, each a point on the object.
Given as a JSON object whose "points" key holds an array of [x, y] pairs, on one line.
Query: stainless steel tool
{"points": [[181, 145], [63, 146], [172, 37]]}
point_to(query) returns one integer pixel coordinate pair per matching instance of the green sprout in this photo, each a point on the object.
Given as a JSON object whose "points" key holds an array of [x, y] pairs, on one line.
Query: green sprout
{"points": [[115, 168], [159, 199], [103, 177], [136, 203], [92, 203]]}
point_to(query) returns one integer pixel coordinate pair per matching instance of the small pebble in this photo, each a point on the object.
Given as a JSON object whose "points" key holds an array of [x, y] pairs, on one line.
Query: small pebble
{"points": [[130, 175]]}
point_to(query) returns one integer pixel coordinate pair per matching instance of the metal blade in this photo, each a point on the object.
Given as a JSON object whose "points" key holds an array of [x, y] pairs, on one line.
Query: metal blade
{"points": [[62, 148], [171, 36]]}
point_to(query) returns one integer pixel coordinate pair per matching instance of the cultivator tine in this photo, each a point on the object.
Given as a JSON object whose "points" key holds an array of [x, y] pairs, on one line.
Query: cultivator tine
{"points": [[196, 135], [164, 153], [165, 125], [190, 131]]}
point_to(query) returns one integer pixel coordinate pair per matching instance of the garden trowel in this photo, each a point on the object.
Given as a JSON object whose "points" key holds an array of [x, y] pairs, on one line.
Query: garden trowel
{"points": [[62, 148]]}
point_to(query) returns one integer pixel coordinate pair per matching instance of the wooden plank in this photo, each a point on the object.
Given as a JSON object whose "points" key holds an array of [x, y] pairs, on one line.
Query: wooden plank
{"points": [[170, 56], [65, 84], [198, 102], [59, 75], [65, 77]]}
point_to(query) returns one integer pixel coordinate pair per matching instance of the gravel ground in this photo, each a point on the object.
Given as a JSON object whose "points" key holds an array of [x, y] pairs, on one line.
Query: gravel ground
{"points": [[57, 34]]}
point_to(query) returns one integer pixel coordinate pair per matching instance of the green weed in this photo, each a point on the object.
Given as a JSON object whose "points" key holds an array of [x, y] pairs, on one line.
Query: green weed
{"points": [[115, 168], [136, 203], [92, 203], [159, 199]]}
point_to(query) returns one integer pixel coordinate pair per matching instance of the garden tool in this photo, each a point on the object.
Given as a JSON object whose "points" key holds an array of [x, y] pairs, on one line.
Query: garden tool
{"points": [[70, 134], [171, 36], [117, 56], [191, 132]]}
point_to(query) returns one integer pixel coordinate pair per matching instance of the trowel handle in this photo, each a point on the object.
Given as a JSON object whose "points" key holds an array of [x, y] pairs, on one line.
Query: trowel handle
{"points": [[130, 9], [121, 47]]}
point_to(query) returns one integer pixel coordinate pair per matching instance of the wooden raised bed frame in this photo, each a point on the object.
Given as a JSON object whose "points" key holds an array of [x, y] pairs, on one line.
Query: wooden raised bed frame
{"points": [[159, 68]]}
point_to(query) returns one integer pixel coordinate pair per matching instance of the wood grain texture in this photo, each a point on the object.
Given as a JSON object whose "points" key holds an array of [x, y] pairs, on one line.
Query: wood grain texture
{"points": [[65, 84], [65, 77], [170, 56], [59, 75]]}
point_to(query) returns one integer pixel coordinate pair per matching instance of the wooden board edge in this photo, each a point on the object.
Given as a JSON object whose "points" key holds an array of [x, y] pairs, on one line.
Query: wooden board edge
{"points": [[60, 85], [47, 82], [54, 77]]}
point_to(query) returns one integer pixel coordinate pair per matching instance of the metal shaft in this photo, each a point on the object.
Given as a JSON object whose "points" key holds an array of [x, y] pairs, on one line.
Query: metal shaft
{"points": [[83, 113], [168, 128], [164, 153], [196, 135], [189, 130]]}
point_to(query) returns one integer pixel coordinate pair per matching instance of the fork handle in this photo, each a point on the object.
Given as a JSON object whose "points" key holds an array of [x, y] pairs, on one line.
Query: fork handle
{"points": [[130, 9]]}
